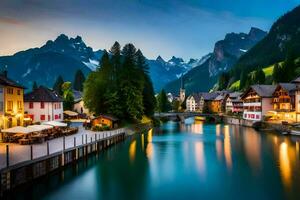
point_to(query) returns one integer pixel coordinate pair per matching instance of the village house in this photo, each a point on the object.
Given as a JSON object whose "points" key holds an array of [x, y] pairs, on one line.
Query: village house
{"points": [[284, 102], [257, 101], [11, 103], [208, 104], [79, 103], [297, 98], [219, 103], [43, 104], [105, 120], [234, 104], [193, 102]]}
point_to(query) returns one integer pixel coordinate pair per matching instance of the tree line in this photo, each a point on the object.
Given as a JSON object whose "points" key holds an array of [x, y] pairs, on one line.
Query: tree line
{"points": [[121, 85]]}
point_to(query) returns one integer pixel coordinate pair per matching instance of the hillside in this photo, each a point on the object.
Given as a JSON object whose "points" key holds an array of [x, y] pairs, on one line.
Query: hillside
{"points": [[283, 37], [225, 54]]}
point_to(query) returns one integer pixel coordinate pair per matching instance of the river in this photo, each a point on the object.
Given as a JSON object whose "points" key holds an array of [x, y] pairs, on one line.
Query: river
{"points": [[182, 161]]}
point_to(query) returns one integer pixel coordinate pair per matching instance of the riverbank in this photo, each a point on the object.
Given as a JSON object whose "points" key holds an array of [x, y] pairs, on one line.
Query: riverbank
{"points": [[22, 164]]}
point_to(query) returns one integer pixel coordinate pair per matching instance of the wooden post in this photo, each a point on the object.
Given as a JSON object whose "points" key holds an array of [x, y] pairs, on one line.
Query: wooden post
{"points": [[31, 152], [86, 138], [74, 141], [48, 151], [95, 137], [7, 155], [81, 139], [64, 143]]}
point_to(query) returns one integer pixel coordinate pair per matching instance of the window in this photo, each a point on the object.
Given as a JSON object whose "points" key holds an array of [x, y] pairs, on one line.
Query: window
{"points": [[32, 117], [19, 105], [10, 91], [31, 105], [56, 116], [42, 105], [49, 118], [10, 105], [19, 92], [42, 117]]}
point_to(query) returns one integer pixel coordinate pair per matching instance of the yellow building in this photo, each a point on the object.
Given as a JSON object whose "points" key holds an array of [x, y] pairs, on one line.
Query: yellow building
{"points": [[11, 103]]}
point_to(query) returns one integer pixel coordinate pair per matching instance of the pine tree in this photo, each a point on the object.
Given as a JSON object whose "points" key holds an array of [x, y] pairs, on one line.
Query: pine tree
{"points": [[149, 100], [259, 77], [34, 86], [57, 85], [243, 80], [78, 80], [163, 104], [131, 84], [223, 81], [276, 73]]}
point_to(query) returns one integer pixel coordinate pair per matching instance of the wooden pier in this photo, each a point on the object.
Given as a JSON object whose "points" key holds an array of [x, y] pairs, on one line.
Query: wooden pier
{"points": [[26, 171]]}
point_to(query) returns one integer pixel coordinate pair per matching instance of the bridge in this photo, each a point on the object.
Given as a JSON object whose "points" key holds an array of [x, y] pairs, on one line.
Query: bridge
{"points": [[181, 116]]}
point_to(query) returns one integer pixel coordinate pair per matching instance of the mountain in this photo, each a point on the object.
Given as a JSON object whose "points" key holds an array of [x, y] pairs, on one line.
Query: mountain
{"points": [[63, 56], [225, 54], [162, 71], [283, 38]]}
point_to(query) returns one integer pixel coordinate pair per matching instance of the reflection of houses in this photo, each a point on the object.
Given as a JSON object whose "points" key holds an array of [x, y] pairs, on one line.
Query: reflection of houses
{"points": [[43, 104], [284, 102], [193, 103], [11, 103], [79, 104], [107, 120], [257, 101], [233, 103]]}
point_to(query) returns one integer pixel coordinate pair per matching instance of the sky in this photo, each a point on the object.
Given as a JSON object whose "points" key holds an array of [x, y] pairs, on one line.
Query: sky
{"points": [[183, 28]]}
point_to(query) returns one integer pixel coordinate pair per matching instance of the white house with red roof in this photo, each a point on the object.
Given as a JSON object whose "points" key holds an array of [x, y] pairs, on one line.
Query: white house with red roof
{"points": [[43, 104]]}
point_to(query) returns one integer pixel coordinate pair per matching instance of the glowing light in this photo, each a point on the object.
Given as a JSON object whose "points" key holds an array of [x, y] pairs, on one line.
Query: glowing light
{"points": [[197, 128], [227, 147], [149, 137], [218, 129], [199, 157], [132, 150], [142, 141], [285, 166]]}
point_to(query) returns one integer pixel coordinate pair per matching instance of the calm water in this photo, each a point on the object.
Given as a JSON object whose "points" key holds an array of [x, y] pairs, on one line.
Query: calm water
{"points": [[183, 161]]}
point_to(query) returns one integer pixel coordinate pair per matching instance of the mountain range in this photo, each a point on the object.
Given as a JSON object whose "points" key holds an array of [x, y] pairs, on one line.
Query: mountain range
{"points": [[64, 56], [225, 54]]}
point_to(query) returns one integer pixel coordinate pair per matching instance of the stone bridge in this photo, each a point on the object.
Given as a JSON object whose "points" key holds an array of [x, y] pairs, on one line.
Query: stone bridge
{"points": [[181, 116]]}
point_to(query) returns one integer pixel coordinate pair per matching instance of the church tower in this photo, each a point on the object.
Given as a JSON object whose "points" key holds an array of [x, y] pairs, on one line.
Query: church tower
{"points": [[182, 91]]}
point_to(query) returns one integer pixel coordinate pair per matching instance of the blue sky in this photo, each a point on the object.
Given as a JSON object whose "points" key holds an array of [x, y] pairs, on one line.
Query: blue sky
{"points": [[158, 27]]}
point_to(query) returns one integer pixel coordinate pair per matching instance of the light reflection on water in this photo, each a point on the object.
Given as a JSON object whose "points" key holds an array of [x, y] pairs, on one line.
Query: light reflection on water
{"points": [[187, 161]]}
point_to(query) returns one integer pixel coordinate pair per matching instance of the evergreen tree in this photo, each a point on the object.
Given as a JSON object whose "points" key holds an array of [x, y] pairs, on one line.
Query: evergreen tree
{"points": [[131, 84], [57, 85], [223, 80], [34, 86], [277, 73], [68, 96], [149, 100], [259, 77], [163, 105], [78, 80], [243, 80]]}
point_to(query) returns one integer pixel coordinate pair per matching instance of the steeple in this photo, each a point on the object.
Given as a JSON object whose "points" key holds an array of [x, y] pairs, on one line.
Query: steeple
{"points": [[182, 90]]}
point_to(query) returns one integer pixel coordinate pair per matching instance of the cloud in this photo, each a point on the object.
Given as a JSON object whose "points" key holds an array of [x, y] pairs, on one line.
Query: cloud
{"points": [[11, 21]]}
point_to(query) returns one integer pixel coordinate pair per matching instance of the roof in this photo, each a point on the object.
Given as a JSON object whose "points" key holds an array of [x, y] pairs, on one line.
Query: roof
{"points": [[210, 96], [197, 96], [288, 86], [42, 94], [235, 95], [8, 82], [297, 80], [77, 95], [262, 90]]}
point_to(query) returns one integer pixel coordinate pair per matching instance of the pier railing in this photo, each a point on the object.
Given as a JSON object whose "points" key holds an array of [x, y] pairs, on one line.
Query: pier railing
{"points": [[15, 154]]}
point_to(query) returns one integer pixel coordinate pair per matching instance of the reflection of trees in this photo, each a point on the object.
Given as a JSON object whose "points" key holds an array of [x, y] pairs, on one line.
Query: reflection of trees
{"points": [[119, 176]]}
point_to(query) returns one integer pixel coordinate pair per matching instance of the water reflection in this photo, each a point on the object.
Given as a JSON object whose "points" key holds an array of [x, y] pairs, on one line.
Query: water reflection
{"points": [[132, 150], [227, 147], [215, 162]]}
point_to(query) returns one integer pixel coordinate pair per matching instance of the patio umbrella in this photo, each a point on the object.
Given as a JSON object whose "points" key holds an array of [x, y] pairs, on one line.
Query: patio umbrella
{"points": [[39, 127], [18, 129], [55, 124], [71, 113]]}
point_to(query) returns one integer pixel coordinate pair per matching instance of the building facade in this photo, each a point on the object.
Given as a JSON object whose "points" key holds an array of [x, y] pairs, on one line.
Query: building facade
{"points": [[43, 104], [193, 103], [257, 101], [11, 103]]}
